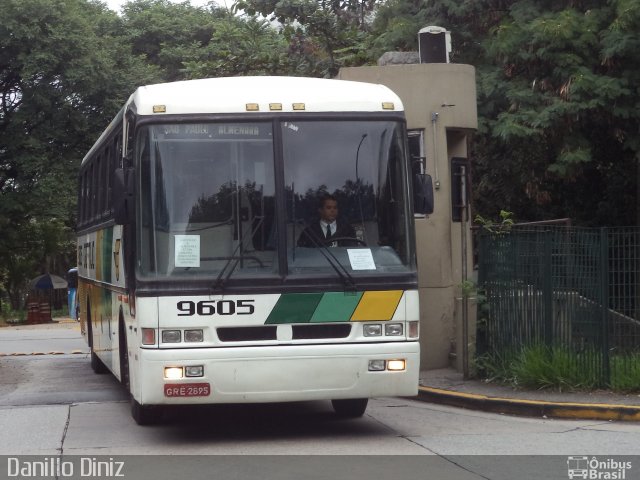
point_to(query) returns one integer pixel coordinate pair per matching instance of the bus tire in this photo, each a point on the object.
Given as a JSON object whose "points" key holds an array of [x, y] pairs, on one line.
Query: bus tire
{"points": [[124, 354], [96, 364], [350, 408], [144, 414]]}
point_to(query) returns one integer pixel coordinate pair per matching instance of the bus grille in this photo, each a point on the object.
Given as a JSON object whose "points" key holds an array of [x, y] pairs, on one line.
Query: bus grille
{"points": [[269, 332]]}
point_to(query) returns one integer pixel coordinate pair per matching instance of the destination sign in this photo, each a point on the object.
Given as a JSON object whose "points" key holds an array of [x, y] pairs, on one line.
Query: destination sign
{"points": [[214, 131]]}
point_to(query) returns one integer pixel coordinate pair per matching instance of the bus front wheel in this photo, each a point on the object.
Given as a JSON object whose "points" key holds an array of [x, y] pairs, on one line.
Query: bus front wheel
{"points": [[350, 408], [144, 414]]}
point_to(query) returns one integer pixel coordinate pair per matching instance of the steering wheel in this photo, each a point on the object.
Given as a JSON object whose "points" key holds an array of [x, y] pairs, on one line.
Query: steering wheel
{"points": [[347, 239]]}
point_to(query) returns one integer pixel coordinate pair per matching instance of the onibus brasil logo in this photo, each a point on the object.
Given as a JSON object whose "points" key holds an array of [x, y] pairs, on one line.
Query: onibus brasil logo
{"points": [[596, 469]]}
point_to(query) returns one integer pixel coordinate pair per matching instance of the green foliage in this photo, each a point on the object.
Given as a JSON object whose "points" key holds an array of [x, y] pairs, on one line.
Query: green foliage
{"points": [[502, 227], [164, 34], [557, 100], [625, 373], [557, 94], [333, 31], [186, 42], [239, 47], [564, 92], [540, 367], [57, 91]]}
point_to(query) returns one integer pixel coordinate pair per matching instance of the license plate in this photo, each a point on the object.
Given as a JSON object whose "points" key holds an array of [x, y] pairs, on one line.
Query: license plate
{"points": [[187, 390]]}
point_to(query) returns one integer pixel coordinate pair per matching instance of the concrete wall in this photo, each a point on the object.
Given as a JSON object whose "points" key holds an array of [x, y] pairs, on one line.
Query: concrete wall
{"points": [[440, 100]]}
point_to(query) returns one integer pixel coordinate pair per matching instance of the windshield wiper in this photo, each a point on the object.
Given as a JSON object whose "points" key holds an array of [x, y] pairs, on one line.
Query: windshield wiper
{"points": [[221, 279], [343, 273]]}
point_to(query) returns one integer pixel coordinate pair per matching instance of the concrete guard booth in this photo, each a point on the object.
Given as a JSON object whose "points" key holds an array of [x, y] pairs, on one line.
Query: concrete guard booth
{"points": [[440, 106]]}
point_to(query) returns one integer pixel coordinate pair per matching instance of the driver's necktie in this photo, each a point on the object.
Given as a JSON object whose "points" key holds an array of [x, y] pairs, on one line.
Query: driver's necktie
{"points": [[328, 231]]}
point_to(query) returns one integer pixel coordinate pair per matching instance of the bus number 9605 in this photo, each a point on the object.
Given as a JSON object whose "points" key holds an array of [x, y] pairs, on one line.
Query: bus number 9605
{"points": [[215, 307]]}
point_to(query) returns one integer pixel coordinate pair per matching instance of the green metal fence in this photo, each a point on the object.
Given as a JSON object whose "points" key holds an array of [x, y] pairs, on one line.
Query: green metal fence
{"points": [[574, 291]]}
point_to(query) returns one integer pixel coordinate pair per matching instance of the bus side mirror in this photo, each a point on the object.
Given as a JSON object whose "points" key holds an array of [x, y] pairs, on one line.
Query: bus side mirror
{"points": [[123, 211], [422, 194]]}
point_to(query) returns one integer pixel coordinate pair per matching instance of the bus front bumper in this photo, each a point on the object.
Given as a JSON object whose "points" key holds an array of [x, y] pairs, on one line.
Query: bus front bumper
{"points": [[277, 373]]}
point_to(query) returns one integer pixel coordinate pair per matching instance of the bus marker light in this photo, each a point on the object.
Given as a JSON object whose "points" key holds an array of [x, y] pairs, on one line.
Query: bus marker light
{"points": [[393, 329], [194, 371], [252, 107], [414, 329], [148, 336], [388, 106], [396, 365], [275, 106], [298, 106], [377, 365], [372, 330], [171, 336], [193, 336], [159, 109], [173, 373]]}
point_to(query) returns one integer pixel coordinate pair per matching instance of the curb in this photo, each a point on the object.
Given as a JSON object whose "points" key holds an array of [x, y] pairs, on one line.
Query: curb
{"points": [[530, 408]]}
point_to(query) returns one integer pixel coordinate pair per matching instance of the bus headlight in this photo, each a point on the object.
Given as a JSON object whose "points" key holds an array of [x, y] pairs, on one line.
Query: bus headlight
{"points": [[393, 329], [193, 336], [372, 330], [173, 373], [396, 365], [171, 336]]}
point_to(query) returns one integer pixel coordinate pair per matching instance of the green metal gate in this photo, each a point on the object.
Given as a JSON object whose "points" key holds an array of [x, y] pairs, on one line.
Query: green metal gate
{"points": [[572, 291]]}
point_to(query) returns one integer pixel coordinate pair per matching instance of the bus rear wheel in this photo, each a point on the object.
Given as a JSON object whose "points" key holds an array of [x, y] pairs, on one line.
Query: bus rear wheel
{"points": [[351, 407], [96, 364]]}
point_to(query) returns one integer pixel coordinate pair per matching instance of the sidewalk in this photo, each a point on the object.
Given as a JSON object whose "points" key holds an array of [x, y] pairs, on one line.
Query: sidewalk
{"points": [[447, 386]]}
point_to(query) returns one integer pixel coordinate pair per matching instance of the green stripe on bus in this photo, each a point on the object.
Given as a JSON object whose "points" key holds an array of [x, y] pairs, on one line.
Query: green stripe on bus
{"points": [[336, 307], [294, 308]]}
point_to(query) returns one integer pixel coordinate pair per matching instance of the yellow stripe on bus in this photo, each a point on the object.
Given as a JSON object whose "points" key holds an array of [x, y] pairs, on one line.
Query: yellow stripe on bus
{"points": [[377, 306]]}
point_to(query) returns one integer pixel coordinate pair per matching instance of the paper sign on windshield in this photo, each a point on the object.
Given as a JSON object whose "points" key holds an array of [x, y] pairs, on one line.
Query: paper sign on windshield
{"points": [[361, 259], [187, 252]]}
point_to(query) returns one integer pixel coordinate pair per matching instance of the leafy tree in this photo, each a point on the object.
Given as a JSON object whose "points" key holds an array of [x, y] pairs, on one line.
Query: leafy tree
{"points": [[567, 88], [188, 42], [326, 34], [163, 33], [558, 96], [240, 46], [58, 88]]}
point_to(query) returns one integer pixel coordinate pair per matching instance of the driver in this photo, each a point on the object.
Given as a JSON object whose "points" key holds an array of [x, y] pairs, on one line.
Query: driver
{"points": [[328, 230]]}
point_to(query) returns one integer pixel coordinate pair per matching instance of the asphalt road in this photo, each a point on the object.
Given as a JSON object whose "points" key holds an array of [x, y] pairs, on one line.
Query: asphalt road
{"points": [[53, 405], [45, 338]]}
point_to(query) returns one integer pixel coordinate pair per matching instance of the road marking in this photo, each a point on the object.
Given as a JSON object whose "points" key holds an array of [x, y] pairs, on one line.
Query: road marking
{"points": [[24, 354]]}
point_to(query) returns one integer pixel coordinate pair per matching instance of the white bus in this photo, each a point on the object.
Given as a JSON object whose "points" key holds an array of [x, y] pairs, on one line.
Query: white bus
{"points": [[194, 284]]}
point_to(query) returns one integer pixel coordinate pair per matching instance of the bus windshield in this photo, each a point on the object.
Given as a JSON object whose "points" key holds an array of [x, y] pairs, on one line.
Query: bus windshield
{"points": [[360, 167], [207, 199]]}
